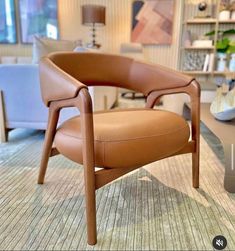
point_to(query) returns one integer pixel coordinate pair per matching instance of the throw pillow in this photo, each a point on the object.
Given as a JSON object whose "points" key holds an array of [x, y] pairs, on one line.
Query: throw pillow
{"points": [[8, 60], [44, 46]]}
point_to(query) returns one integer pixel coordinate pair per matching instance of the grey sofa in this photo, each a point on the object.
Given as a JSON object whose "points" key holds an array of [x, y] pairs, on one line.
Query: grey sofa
{"points": [[21, 105]]}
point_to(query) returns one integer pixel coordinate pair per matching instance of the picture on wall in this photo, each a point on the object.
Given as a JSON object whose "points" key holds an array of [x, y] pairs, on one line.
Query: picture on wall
{"points": [[38, 17], [7, 22], [152, 21]]}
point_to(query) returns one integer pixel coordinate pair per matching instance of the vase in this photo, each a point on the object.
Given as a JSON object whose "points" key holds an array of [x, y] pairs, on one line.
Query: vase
{"points": [[221, 64], [233, 15], [224, 15], [232, 63]]}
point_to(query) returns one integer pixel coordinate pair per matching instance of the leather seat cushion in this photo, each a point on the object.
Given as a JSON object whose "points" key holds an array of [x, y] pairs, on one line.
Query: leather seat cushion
{"points": [[126, 138]]}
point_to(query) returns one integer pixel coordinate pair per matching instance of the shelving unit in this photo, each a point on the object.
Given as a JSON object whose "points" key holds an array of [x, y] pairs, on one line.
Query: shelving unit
{"points": [[198, 27]]}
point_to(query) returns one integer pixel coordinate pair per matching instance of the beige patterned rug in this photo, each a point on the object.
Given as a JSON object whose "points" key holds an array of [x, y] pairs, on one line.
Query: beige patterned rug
{"points": [[153, 208]]}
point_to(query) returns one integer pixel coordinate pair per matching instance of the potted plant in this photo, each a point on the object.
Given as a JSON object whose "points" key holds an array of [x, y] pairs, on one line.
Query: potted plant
{"points": [[224, 13], [224, 46]]}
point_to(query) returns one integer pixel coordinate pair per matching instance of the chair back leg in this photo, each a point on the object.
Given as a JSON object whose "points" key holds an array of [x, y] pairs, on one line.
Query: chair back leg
{"points": [[195, 114], [49, 137], [89, 175]]}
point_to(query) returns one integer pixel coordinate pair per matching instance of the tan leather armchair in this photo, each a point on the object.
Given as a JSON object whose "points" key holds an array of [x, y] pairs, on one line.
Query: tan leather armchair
{"points": [[117, 141]]}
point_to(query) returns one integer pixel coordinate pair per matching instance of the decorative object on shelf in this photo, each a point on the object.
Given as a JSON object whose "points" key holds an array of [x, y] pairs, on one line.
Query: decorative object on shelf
{"points": [[94, 16], [38, 17], [187, 38], [202, 7], [224, 13], [224, 46], [232, 10], [7, 22], [222, 59], [152, 21], [204, 10], [202, 43], [194, 61], [232, 63], [223, 106]]}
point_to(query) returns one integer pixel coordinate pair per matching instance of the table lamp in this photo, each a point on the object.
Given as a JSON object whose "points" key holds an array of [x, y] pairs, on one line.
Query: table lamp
{"points": [[93, 15]]}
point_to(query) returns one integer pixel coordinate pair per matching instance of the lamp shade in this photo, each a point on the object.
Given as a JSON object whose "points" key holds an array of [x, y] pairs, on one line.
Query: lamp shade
{"points": [[93, 14]]}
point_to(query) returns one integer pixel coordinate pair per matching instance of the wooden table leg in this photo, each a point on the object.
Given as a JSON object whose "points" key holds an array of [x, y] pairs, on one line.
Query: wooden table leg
{"points": [[3, 133], [229, 178]]}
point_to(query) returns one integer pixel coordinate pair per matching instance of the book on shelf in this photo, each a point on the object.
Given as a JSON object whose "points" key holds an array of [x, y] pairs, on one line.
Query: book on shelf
{"points": [[208, 63], [211, 62]]}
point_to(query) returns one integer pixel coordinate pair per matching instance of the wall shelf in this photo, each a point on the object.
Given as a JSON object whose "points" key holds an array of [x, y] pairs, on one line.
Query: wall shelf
{"points": [[222, 73], [197, 72], [231, 21], [198, 48], [201, 21]]}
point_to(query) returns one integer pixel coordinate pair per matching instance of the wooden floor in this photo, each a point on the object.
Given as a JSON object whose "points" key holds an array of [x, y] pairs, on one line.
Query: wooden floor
{"points": [[153, 208]]}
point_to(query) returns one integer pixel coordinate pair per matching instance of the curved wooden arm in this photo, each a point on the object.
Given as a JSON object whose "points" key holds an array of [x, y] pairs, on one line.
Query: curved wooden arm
{"points": [[192, 89]]}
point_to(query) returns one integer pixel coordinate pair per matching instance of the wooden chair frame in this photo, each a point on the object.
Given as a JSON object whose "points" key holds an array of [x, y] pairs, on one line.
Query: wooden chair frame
{"points": [[96, 179]]}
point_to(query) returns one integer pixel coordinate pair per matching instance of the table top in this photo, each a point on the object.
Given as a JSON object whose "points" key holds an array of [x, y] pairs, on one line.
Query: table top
{"points": [[225, 131]]}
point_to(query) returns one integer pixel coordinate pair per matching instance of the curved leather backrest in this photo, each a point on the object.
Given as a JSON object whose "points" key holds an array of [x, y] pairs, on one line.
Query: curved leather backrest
{"points": [[106, 70]]}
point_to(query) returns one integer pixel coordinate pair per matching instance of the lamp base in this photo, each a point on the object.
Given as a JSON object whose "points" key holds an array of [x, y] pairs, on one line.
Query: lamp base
{"points": [[93, 45]]}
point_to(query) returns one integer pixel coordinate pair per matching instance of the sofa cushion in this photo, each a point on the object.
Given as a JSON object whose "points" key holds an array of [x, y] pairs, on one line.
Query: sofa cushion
{"points": [[8, 60], [122, 136], [44, 46]]}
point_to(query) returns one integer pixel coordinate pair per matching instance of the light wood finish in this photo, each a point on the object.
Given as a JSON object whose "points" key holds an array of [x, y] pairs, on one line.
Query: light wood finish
{"points": [[197, 72], [224, 73], [198, 48], [201, 21], [227, 21], [3, 132]]}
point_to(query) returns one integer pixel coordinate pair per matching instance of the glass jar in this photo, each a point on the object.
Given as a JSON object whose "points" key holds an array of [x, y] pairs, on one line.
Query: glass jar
{"points": [[221, 64], [232, 63]]}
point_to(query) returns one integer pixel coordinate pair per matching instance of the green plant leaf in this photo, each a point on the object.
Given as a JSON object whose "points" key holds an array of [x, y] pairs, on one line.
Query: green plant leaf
{"points": [[229, 32], [231, 48], [211, 33], [222, 45]]}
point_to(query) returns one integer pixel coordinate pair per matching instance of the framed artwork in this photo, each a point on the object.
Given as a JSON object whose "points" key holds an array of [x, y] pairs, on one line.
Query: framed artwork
{"points": [[8, 33], [152, 21], [38, 17]]}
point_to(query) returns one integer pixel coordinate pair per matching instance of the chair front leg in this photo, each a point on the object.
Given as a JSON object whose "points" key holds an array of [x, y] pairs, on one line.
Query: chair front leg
{"points": [[89, 166], [193, 90], [195, 127], [49, 137]]}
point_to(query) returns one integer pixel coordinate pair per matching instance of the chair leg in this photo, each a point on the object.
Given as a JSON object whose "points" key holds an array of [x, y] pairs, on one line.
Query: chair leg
{"points": [[3, 130], [49, 137], [195, 169], [90, 210]]}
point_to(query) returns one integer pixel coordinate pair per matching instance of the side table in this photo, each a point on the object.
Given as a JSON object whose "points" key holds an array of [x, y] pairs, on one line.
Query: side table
{"points": [[225, 131]]}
